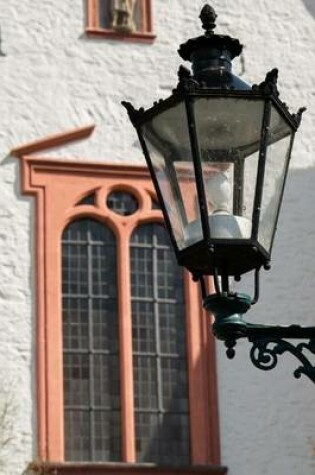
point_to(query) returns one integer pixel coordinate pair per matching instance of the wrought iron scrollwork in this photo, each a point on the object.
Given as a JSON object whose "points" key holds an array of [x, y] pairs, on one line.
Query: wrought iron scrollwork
{"points": [[269, 341], [264, 355]]}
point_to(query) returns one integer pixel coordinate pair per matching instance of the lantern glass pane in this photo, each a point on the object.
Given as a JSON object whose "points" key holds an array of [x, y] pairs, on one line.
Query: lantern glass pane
{"points": [[229, 132], [277, 161], [167, 140]]}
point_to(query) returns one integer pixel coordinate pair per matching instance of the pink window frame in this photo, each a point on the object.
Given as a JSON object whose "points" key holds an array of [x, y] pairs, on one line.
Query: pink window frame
{"points": [[58, 186]]}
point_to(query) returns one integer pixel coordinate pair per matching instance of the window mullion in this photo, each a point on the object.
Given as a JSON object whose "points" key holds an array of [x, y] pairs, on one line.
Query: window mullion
{"points": [[157, 330], [125, 338], [91, 355]]}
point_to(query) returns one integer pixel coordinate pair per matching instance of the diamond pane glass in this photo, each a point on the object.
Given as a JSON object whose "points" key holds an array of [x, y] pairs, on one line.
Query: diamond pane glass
{"points": [[90, 342], [159, 349]]}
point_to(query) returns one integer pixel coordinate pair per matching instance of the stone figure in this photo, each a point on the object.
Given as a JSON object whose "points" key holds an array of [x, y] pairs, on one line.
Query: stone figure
{"points": [[123, 15]]}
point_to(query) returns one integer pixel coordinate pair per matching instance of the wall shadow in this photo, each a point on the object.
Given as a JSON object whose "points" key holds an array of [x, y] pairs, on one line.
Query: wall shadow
{"points": [[310, 5]]}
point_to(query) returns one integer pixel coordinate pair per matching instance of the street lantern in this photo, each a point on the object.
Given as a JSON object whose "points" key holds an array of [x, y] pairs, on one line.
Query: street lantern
{"points": [[218, 151]]}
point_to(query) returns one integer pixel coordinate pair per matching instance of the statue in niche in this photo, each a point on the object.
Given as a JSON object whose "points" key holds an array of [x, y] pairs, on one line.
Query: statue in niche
{"points": [[122, 13]]}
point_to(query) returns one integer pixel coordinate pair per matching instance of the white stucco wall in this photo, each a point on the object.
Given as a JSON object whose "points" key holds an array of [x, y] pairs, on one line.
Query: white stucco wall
{"points": [[54, 78], [267, 420]]}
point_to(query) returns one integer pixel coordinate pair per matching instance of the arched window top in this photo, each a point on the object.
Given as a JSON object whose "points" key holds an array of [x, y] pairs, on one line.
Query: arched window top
{"points": [[88, 230], [150, 233], [97, 301]]}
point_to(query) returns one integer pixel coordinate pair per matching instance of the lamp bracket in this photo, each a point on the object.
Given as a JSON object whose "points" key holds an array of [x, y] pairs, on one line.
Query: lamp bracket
{"points": [[268, 341], [264, 355]]}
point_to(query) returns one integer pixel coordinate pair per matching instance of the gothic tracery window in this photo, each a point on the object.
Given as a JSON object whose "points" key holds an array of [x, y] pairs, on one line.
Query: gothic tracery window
{"points": [[125, 360], [91, 341]]}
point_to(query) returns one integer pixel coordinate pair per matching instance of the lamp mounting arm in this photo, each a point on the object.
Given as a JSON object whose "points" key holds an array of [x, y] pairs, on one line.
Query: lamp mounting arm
{"points": [[222, 285], [264, 353], [268, 341]]}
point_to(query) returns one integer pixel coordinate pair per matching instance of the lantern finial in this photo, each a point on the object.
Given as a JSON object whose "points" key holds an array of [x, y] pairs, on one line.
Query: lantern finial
{"points": [[212, 52], [208, 17]]}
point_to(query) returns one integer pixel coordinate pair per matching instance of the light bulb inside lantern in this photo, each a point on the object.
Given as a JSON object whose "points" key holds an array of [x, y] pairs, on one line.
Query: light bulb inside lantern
{"points": [[222, 223], [219, 193]]}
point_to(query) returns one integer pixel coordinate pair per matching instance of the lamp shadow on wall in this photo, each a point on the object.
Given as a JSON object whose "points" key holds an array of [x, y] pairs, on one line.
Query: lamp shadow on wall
{"points": [[310, 5]]}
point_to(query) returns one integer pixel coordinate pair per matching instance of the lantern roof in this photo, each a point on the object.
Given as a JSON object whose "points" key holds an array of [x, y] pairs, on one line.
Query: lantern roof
{"points": [[211, 56], [209, 40]]}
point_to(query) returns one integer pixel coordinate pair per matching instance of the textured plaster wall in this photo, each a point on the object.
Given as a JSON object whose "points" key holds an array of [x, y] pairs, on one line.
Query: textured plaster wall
{"points": [[267, 418], [53, 78]]}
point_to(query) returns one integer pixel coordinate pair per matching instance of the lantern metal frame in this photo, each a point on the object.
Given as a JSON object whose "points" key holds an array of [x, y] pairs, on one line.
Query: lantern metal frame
{"points": [[240, 256], [223, 258]]}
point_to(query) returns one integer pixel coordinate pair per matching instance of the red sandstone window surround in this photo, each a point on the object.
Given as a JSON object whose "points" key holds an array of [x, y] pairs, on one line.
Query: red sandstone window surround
{"points": [[129, 20], [66, 192]]}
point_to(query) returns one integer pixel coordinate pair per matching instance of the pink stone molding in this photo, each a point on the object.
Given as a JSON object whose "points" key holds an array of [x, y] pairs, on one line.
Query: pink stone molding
{"points": [[58, 186]]}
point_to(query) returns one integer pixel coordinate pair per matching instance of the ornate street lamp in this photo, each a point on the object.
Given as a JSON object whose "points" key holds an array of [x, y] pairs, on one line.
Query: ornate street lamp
{"points": [[218, 151]]}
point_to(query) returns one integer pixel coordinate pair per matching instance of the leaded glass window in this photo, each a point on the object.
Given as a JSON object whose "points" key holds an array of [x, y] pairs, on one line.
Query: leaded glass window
{"points": [[159, 349], [96, 398], [90, 343], [122, 203]]}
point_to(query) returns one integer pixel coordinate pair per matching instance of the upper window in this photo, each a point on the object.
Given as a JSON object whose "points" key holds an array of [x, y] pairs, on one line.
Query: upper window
{"points": [[120, 19]]}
